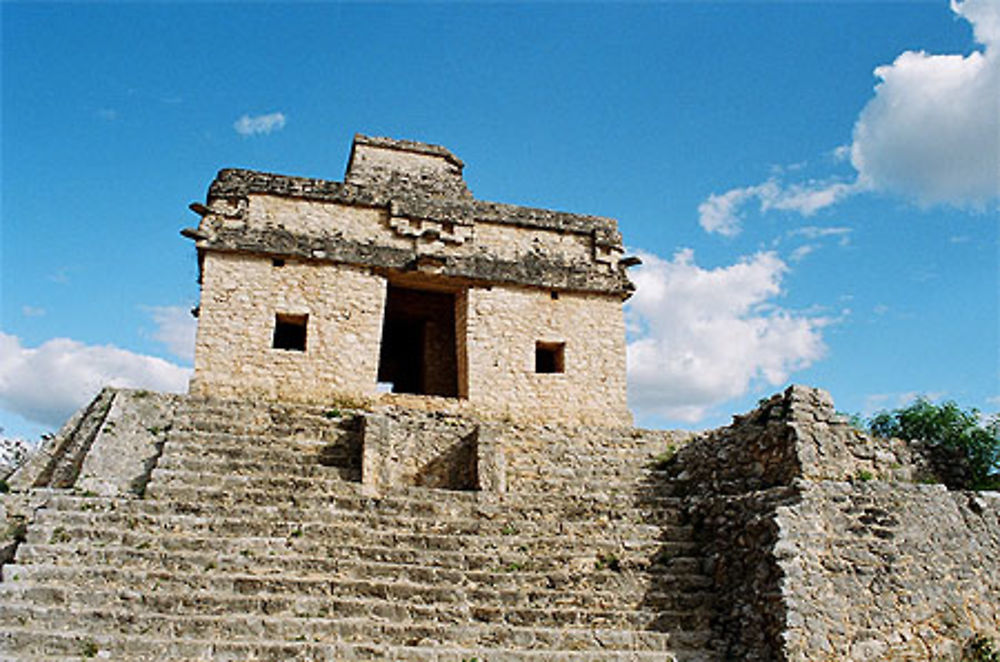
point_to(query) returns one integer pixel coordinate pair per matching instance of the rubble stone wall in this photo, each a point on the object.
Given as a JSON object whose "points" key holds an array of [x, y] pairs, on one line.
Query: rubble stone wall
{"points": [[888, 571], [824, 543]]}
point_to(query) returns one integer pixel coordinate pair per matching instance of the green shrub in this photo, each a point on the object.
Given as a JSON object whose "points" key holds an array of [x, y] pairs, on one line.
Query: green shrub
{"points": [[662, 461], [948, 427], [89, 648], [609, 562], [981, 649]]}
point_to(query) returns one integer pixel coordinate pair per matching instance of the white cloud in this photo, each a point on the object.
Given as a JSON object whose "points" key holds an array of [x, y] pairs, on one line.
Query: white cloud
{"points": [[704, 336], [812, 232], [251, 126], [802, 251], [46, 384], [722, 213], [930, 134], [932, 131], [176, 329]]}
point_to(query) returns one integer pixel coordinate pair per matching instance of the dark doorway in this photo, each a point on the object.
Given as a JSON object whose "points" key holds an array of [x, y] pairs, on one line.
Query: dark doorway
{"points": [[419, 353]]}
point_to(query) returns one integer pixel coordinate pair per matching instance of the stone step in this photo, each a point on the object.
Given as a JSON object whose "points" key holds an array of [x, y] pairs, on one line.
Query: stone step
{"points": [[505, 569], [545, 555], [623, 593], [556, 566], [316, 463], [414, 503], [406, 585], [215, 457], [164, 480], [339, 521], [302, 462], [254, 425], [325, 493], [595, 485], [618, 554], [160, 601], [566, 467], [626, 549], [233, 627], [19, 644], [228, 440], [293, 473], [548, 461]]}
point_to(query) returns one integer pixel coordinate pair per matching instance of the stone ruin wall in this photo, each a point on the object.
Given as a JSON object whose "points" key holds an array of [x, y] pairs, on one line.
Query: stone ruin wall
{"points": [[826, 544], [878, 570]]}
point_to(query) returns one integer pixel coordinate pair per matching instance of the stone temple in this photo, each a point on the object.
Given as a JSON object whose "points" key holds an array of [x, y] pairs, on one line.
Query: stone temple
{"points": [[315, 290], [406, 439]]}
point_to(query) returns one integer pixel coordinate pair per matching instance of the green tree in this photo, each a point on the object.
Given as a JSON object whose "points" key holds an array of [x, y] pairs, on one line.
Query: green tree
{"points": [[950, 427]]}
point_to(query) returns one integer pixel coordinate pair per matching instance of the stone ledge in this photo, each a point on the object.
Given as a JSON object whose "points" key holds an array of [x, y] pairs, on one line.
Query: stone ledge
{"points": [[235, 184]]}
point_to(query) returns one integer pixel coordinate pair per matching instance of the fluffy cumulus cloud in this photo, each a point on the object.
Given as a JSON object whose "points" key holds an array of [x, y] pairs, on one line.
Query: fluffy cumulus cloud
{"points": [[46, 384], [175, 328], [932, 131], [250, 125], [931, 134], [704, 336]]}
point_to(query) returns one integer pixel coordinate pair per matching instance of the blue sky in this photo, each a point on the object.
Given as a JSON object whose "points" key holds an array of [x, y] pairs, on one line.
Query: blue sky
{"points": [[814, 187]]}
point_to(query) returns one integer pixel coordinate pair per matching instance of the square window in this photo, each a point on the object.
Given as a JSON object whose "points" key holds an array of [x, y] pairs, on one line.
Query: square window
{"points": [[290, 332], [549, 357]]}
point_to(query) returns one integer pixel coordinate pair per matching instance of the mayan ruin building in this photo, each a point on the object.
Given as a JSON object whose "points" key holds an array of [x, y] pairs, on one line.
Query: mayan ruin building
{"points": [[406, 438], [313, 290]]}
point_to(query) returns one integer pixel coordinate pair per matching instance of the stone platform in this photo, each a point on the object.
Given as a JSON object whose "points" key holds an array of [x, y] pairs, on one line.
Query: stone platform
{"points": [[157, 527]]}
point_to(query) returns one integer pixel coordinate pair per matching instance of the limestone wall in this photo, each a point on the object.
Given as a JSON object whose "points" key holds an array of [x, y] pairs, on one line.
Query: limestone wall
{"points": [[241, 296], [503, 327], [497, 328]]}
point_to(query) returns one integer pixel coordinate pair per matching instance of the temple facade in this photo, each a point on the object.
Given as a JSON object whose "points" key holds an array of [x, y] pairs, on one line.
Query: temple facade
{"points": [[397, 285]]}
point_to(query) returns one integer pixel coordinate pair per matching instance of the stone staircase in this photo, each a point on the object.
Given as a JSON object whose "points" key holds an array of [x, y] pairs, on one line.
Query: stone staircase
{"points": [[256, 540]]}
